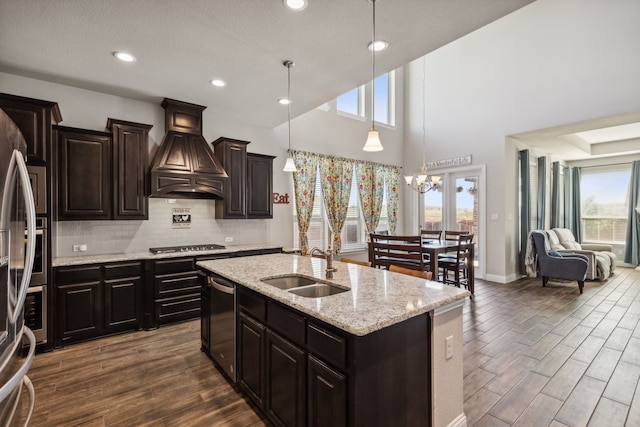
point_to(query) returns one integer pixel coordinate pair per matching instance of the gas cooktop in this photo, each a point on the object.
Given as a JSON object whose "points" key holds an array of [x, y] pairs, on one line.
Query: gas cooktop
{"points": [[186, 248]]}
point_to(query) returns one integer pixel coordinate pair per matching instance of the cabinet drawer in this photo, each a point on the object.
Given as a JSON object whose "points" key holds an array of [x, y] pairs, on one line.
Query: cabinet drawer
{"points": [[77, 274], [252, 303], [168, 285], [286, 322], [174, 266], [326, 344], [120, 271], [171, 310]]}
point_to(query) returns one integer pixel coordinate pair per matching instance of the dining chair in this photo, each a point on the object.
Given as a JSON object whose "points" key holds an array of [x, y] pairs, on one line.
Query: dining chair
{"points": [[459, 264], [421, 274], [431, 234], [453, 234], [404, 251], [355, 261]]}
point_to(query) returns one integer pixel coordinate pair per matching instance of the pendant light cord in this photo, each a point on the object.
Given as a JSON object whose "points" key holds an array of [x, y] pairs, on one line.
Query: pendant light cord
{"points": [[289, 99], [424, 114], [373, 68]]}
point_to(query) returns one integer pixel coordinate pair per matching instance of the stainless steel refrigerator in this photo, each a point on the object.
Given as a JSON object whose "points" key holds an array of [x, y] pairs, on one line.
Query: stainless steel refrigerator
{"points": [[17, 248]]}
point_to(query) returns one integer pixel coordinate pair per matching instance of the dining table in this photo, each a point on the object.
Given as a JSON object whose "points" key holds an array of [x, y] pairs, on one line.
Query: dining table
{"points": [[436, 247]]}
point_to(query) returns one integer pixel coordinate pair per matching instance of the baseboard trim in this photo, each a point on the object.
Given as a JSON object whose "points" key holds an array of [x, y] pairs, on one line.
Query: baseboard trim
{"points": [[459, 421]]}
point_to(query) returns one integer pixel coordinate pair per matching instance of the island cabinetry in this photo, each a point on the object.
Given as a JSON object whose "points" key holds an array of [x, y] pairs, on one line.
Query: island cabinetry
{"points": [[96, 300], [34, 117], [250, 190], [272, 358]]}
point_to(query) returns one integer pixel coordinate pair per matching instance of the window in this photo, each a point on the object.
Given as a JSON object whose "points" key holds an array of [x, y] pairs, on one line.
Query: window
{"points": [[604, 203], [351, 102], [353, 234], [384, 99]]}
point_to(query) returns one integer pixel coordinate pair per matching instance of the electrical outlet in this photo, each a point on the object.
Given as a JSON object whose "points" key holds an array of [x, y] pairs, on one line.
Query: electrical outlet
{"points": [[228, 239], [79, 248], [449, 347]]}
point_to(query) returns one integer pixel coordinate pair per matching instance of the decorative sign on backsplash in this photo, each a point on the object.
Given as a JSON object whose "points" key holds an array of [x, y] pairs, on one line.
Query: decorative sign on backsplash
{"points": [[181, 217], [280, 199]]}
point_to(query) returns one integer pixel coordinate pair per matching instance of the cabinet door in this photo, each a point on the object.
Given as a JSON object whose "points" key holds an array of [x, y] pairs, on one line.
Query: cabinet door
{"points": [[121, 304], [285, 398], [251, 336], [259, 186], [79, 308], [327, 395], [84, 179], [232, 154], [34, 117], [130, 165]]}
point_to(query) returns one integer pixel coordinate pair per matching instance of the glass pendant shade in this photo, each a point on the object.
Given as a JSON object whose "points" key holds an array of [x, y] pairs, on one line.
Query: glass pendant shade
{"points": [[373, 142], [408, 179], [289, 166]]}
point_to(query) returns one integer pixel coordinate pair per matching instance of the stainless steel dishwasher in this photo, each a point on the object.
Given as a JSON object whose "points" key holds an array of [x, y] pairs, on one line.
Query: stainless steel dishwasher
{"points": [[222, 330]]}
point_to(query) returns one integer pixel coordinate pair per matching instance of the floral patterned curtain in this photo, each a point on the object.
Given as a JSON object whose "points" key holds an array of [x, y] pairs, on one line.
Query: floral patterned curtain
{"points": [[304, 184], [392, 181], [336, 174], [370, 189]]}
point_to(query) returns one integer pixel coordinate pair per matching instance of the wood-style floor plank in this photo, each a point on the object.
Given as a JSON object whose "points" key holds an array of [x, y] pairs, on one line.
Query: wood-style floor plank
{"points": [[533, 356]]}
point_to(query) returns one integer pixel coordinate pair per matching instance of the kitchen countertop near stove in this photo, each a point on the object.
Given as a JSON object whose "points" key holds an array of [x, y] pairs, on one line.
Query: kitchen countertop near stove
{"points": [[377, 298], [99, 259]]}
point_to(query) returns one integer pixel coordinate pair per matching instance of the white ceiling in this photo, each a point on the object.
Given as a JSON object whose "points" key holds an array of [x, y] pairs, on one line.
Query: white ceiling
{"points": [[182, 45]]}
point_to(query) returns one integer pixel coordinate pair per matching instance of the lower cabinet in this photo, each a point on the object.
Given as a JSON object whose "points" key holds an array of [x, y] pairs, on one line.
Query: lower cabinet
{"points": [[98, 299], [277, 371]]}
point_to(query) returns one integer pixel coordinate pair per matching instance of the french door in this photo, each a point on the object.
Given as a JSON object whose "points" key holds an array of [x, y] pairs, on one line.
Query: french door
{"points": [[459, 204]]}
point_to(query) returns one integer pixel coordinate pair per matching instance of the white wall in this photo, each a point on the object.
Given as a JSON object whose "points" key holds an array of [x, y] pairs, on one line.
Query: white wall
{"points": [[316, 131], [549, 63]]}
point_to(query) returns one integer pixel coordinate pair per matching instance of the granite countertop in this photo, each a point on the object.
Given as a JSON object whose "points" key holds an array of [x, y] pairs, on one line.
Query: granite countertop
{"points": [[376, 298], [98, 259]]}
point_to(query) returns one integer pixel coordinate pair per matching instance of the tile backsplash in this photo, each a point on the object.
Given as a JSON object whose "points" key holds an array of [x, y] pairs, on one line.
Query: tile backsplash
{"points": [[113, 237]]}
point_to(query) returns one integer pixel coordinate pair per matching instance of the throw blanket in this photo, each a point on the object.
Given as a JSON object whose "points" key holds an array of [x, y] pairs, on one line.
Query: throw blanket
{"points": [[530, 258]]}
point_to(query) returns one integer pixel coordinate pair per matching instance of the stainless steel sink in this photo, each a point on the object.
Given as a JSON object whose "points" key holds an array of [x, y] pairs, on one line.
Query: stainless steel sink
{"points": [[289, 282], [316, 290]]}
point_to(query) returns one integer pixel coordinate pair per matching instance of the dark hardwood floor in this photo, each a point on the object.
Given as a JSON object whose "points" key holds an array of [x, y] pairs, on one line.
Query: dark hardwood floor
{"points": [[534, 356]]}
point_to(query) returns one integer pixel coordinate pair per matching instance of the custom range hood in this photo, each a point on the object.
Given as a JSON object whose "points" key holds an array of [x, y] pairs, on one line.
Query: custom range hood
{"points": [[184, 166]]}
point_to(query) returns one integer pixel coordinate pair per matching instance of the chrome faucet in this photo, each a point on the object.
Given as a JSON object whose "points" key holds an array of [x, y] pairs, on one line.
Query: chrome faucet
{"points": [[328, 254]]}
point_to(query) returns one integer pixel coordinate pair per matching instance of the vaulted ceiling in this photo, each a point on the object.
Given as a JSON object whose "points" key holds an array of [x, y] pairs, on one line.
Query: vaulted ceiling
{"points": [[181, 45]]}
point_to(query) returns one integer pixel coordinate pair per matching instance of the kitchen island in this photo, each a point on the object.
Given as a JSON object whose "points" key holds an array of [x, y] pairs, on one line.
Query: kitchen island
{"points": [[386, 350]]}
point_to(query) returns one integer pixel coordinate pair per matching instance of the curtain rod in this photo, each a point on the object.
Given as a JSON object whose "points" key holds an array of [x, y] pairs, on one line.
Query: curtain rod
{"points": [[604, 166], [346, 158]]}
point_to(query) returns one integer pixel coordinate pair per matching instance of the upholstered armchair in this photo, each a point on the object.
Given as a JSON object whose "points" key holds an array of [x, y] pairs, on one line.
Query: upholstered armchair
{"points": [[550, 265], [602, 260]]}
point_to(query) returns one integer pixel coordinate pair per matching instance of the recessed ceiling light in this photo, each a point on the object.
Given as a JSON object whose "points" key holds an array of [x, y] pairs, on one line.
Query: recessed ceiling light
{"points": [[296, 5], [218, 83], [283, 101], [378, 45], [124, 56]]}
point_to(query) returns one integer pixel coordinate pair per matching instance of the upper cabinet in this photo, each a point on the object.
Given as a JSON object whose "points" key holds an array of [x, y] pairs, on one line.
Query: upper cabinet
{"points": [[130, 166], [249, 193], [102, 175], [34, 118]]}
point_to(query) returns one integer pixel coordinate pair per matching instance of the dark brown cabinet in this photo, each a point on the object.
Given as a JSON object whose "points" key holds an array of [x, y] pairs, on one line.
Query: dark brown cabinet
{"points": [[35, 118], [259, 186], [102, 175], [130, 169], [84, 174], [327, 395], [285, 396], [232, 154], [96, 300], [251, 337], [249, 193]]}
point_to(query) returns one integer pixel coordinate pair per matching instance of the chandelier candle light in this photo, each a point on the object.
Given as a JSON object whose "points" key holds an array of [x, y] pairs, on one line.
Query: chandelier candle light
{"points": [[289, 166], [373, 139]]}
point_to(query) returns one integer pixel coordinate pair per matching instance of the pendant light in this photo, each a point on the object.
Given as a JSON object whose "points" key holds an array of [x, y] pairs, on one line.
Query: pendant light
{"points": [[289, 166], [373, 139]]}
